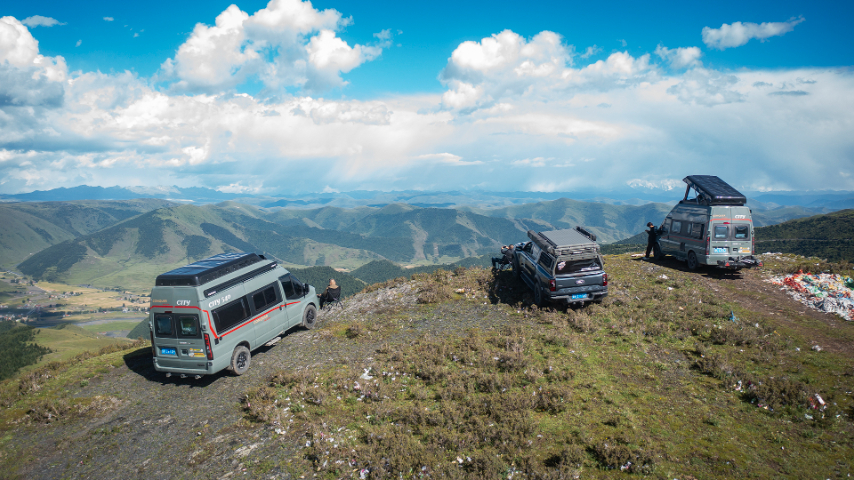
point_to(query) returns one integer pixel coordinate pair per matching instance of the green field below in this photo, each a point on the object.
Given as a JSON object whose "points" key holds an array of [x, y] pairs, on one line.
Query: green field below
{"points": [[71, 340]]}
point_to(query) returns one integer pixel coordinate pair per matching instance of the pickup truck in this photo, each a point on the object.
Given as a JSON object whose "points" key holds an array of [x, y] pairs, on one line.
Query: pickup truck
{"points": [[562, 266]]}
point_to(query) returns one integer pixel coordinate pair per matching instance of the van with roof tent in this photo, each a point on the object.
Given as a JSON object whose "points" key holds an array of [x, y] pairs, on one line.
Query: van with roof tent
{"points": [[210, 315], [711, 225]]}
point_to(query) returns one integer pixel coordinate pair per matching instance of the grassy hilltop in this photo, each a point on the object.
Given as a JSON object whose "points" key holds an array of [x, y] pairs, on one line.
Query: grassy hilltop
{"points": [[455, 374]]}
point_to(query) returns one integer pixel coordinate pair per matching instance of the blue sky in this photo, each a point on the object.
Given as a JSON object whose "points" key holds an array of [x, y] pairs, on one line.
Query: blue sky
{"points": [[557, 96]]}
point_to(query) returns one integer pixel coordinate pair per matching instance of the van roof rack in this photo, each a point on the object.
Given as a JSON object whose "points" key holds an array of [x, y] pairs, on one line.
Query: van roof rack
{"points": [[711, 190], [207, 270]]}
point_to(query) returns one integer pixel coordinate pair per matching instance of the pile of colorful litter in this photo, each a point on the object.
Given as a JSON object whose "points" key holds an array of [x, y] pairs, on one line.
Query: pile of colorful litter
{"points": [[827, 292]]}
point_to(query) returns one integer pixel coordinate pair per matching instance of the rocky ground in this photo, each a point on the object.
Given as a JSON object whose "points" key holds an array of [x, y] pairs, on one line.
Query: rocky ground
{"points": [[157, 427]]}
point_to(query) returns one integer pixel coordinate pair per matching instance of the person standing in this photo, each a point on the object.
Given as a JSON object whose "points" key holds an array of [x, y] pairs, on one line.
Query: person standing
{"points": [[506, 258], [652, 241]]}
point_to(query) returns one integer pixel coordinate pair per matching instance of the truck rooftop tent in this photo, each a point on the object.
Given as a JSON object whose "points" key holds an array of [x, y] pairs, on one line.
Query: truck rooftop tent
{"points": [[715, 190], [206, 270]]}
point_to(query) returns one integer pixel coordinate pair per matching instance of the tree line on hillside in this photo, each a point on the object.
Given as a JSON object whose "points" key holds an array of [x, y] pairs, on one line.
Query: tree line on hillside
{"points": [[18, 348]]}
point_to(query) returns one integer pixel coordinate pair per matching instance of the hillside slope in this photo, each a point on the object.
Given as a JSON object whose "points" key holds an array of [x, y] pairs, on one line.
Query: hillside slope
{"points": [[414, 377], [829, 236], [31, 227], [132, 253]]}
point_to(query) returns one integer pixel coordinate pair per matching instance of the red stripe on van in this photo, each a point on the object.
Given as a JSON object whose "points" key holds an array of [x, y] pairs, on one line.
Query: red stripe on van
{"points": [[292, 303]]}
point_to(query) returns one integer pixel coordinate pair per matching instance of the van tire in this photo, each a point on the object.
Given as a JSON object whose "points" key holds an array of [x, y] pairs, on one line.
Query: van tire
{"points": [[240, 360], [692, 261], [309, 317]]}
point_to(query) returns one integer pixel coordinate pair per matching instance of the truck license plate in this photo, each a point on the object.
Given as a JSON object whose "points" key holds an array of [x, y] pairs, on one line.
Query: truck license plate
{"points": [[578, 296], [167, 351]]}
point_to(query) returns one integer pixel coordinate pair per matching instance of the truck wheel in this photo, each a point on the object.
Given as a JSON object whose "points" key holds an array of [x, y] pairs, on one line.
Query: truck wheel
{"points": [[692, 261], [516, 273], [240, 360], [309, 317], [538, 296]]}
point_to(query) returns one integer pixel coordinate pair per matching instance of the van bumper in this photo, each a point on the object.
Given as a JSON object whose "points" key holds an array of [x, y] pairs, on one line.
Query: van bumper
{"points": [[737, 263], [173, 365]]}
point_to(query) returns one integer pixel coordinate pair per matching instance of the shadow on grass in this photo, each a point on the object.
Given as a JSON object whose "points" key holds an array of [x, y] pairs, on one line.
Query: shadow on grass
{"points": [[707, 271]]}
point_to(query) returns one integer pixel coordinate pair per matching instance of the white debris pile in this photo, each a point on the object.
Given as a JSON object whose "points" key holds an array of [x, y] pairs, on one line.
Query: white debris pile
{"points": [[828, 292]]}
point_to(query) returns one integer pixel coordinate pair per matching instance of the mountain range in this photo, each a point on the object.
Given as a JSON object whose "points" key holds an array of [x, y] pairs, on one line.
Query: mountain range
{"points": [[128, 242]]}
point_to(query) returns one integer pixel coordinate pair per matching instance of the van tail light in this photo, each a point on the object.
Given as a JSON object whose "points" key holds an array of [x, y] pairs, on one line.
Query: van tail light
{"points": [[208, 348], [552, 285], [604, 279], [153, 350], [708, 244]]}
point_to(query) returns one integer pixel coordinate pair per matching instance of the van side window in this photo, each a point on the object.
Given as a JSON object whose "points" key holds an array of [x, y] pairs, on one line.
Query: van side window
{"points": [[677, 227], [721, 232], [231, 314], [188, 326], [741, 232], [697, 230], [163, 325], [292, 286], [266, 297]]}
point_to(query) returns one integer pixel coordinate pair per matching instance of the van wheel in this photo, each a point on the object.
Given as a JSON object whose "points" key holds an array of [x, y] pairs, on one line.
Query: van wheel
{"points": [[692, 261], [309, 317], [240, 360]]}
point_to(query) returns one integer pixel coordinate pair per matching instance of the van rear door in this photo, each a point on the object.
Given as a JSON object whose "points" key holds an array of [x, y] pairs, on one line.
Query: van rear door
{"points": [[178, 340]]}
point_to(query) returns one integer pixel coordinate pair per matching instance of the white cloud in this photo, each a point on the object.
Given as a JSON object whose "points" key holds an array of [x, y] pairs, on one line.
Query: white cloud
{"points": [[506, 66], [288, 43], [517, 114], [79, 42], [591, 51], [681, 57], [108, 19], [738, 33], [40, 21]]}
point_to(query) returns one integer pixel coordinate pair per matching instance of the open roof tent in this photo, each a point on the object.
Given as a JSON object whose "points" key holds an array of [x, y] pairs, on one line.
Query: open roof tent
{"points": [[711, 190]]}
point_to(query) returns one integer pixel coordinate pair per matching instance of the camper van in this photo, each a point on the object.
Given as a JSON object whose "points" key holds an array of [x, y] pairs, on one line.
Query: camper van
{"points": [[210, 315], [710, 226]]}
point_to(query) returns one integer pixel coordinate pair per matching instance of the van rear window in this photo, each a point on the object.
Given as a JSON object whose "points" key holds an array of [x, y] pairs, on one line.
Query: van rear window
{"points": [[163, 326], [741, 232], [721, 232], [230, 315], [188, 326]]}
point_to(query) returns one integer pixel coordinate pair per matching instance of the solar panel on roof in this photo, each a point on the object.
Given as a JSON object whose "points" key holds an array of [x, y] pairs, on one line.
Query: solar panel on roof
{"points": [[716, 191], [207, 270]]}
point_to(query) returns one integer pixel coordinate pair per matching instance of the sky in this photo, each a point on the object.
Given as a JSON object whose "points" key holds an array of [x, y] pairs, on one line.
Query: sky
{"points": [[289, 97]]}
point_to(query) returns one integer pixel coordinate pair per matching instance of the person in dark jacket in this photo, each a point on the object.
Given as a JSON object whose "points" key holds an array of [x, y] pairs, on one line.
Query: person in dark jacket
{"points": [[505, 259], [652, 241], [331, 294]]}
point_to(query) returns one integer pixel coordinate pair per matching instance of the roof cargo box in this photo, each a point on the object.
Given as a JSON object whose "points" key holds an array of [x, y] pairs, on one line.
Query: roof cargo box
{"points": [[711, 190], [576, 243], [209, 269]]}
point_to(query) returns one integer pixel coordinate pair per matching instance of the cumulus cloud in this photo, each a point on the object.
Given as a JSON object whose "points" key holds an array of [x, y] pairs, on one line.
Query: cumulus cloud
{"points": [[681, 57], [40, 21], [108, 19], [27, 78], [738, 33], [288, 43], [506, 65], [707, 87]]}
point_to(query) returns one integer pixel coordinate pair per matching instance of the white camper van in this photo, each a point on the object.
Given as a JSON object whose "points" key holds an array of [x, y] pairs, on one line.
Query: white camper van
{"points": [[710, 226], [209, 315]]}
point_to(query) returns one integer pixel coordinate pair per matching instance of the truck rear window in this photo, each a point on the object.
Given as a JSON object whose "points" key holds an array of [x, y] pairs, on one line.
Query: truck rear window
{"points": [[565, 268]]}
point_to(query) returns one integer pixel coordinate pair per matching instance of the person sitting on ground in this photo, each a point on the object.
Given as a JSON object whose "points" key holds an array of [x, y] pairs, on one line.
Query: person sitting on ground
{"points": [[507, 258], [331, 294]]}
